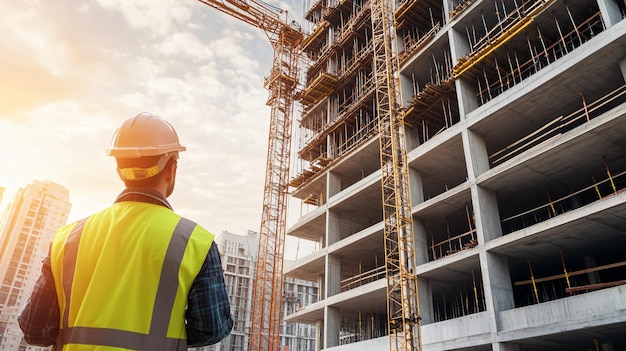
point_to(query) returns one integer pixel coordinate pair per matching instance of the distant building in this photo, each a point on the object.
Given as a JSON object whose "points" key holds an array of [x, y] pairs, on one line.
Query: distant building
{"points": [[297, 294], [239, 255], [26, 230]]}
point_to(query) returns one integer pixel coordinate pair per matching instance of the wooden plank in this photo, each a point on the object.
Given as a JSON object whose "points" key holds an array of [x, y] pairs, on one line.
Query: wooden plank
{"points": [[583, 271], [596, 286]]}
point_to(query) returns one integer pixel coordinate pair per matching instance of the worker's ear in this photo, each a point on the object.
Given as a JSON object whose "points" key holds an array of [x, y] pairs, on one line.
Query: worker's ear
{"points": [[170, 170]]}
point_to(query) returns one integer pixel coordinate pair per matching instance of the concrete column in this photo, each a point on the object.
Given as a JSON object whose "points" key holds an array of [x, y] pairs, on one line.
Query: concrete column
{"points": [[448, 6], [321, 286], [459, 47], [411, 137], [425, 300], [319, 331], [486, 214], [610, 12], [333, 275], [497, 285], [416, 186], [466, 95], [406, 84], [331, 110], [332, 316], [421, 242], [334, 185], [332, 228], [502, 346], [476, 157]]}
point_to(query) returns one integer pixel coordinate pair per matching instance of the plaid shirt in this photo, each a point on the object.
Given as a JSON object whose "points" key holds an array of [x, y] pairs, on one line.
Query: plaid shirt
{"points": [[207, 316]]}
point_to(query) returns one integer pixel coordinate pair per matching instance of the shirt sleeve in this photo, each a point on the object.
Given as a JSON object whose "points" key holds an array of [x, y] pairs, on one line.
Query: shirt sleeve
{"points": [[208, 308], [39, 320]]}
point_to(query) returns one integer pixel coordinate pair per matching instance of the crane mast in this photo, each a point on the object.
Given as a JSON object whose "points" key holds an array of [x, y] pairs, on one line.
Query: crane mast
{"points": [[403, 319], [281, 82]]}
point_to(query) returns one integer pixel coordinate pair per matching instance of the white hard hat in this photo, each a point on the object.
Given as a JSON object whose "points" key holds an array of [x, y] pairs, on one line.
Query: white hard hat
{"points": [[144, 135]]}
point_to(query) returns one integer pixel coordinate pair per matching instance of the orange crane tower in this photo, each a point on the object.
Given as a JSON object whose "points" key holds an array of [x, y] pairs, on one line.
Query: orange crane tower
{"points": [[281, 82]]}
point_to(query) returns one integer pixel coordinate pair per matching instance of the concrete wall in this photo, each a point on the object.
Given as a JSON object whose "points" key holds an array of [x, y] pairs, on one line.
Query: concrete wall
{"points": [[454, 333], [372, 344], [590, 309]]}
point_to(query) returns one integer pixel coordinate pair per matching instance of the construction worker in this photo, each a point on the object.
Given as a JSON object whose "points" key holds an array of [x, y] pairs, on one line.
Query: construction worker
{"points": [[134, 276]]}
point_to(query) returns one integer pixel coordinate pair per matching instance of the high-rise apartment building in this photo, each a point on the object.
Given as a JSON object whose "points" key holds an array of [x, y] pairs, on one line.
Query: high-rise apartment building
{"points": [[239, 254], [26, 230], [515, 133], [297, 294]]}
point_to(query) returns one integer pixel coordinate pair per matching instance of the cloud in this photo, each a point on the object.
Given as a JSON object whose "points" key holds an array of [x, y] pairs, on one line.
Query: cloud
{"points": [[154, 17], [185, 45], [38, 60], [24, 84]]}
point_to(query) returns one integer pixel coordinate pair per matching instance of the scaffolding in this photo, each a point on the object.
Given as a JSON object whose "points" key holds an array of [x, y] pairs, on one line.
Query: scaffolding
{"points": [[572, 279], [560, 125], [341, 74], [456, 238], [507, 49], [505, 29], [433, 105], [460, 299], [597, 187], [362, 326], [613, 184], [417, 24]]}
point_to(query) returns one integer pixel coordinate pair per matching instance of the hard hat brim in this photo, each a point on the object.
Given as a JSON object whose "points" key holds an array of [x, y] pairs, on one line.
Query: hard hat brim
{"points": [[144, 135], [133, 152]]}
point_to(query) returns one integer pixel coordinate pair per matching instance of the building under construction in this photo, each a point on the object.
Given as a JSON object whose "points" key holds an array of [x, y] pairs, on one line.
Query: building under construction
{"points": [[515, 132]]}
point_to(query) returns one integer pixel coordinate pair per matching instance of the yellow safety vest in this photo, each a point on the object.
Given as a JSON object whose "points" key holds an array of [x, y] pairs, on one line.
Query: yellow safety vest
{"points": [[123, 275]]}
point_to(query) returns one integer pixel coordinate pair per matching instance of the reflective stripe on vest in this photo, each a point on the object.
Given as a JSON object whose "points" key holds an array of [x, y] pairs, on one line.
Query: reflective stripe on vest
{"points": [[165, 296]]}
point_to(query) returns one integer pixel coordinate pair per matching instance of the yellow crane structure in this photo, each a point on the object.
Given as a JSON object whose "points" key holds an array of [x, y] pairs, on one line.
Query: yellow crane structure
{"points": [[281, 82], [403, 316]]}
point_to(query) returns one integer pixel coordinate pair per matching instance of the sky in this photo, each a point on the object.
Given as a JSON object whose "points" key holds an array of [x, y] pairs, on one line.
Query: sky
{"points": [[72, 71]]}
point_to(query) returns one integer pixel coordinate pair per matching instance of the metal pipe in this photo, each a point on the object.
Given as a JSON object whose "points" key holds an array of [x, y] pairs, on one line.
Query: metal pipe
{"points": [[608, 172], [532, 278]]}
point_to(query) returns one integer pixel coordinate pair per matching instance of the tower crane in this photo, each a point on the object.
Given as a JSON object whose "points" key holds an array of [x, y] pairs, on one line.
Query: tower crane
{"points": [[403, 317], [402, 299], [281, 82]]}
